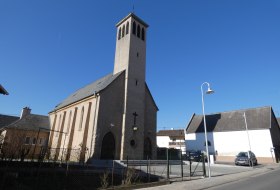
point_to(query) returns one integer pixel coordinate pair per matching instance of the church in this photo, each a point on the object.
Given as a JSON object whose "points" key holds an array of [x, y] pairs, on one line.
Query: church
{"points": [[114, 117]]}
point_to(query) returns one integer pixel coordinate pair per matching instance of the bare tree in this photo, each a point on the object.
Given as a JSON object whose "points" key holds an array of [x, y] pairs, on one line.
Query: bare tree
{"points": [[14, 146]]}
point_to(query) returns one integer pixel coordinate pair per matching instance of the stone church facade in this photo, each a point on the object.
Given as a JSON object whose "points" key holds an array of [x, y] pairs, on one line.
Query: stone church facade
{"points": [[114, 117]]}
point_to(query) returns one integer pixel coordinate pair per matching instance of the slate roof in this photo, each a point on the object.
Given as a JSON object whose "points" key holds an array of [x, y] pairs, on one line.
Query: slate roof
{"points": [[257, 118], [7, 120], [31, 122], [171, 133], [278, 119], [89, 90]]}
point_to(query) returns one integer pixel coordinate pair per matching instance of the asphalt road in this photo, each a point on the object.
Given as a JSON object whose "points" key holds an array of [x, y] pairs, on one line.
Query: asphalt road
{"points": [[264, 181]]}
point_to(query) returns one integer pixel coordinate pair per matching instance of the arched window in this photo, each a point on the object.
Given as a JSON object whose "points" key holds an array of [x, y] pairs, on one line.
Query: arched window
{"points": [[123, 29], [81, 119], [120, 33], [138, 31], [134, 28], [127, 27], [69, 122], [143, 34]]}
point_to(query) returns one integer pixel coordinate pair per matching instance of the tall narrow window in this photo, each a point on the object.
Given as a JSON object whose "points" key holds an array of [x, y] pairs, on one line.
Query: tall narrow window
{"points": [[69, 122], [81, 119], [138, 31], [123, 29], [143, 34], [59, 122], [34, 141], [127, 27], [120, 33], [134, 28]]}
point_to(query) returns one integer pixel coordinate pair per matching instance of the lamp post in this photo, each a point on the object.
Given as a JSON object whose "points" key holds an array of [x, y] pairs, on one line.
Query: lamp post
{"points": [[209, 91]]}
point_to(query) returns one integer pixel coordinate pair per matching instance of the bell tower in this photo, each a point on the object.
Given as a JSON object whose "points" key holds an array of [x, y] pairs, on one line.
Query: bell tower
{"points": [[130, 56]]}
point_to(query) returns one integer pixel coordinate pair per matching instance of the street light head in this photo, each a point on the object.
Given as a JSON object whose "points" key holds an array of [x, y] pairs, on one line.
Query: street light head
{"points": [[210, 91]]}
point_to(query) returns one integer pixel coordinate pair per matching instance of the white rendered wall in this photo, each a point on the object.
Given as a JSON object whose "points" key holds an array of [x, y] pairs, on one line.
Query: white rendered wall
{"points": [[163, 141], [230, 143]]}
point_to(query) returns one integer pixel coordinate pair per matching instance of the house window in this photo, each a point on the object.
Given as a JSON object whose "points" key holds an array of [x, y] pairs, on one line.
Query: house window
{"points": [[40, 141], [27, 140], [34, 141], [81, 119]]}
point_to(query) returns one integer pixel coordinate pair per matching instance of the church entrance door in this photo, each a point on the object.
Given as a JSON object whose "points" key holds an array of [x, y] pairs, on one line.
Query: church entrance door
{"points": [[108, 147]]}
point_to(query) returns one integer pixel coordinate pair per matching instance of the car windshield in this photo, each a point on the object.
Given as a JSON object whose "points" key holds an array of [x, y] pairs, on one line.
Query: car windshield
{"points": [[242, 154]]}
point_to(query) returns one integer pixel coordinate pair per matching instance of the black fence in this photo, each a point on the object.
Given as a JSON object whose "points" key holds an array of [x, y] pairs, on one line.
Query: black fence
{"points": [[43, 175], [44, 154], [175, 163], [47, 171]]}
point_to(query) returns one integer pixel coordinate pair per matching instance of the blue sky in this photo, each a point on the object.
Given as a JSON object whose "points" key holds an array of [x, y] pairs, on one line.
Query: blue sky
{"points": [[51, 48]]}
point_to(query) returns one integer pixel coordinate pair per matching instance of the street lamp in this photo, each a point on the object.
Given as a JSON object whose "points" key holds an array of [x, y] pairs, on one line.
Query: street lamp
{"points": [[209, 91]]}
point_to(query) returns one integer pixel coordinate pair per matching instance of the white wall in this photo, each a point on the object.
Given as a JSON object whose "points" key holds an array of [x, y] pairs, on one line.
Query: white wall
{"points": [[230, 143], [163, 141]]}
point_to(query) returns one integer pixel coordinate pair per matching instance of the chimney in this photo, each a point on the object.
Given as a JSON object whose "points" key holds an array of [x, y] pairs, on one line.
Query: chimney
{"points": [[25, 111]]}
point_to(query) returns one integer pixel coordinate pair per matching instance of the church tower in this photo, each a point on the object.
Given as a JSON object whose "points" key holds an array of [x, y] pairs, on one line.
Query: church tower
{"points": [[130, 56]]}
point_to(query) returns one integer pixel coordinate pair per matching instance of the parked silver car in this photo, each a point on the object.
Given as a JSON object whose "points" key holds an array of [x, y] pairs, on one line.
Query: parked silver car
{"points": [[243, 159]]}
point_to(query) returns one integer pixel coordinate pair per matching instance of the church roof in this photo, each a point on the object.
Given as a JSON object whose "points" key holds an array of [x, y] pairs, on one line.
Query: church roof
{"points": [[31, 122], [88, 90], [7, 119], [257, 118], [172, 133]]}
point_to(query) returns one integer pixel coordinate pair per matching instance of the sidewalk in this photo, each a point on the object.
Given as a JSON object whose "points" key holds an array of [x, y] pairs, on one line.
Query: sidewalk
{"points": [[204, 183]]}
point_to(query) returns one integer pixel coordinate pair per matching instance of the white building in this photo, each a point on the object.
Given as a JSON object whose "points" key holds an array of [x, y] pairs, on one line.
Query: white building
{"points": [[227, 134], [171, 139]]}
